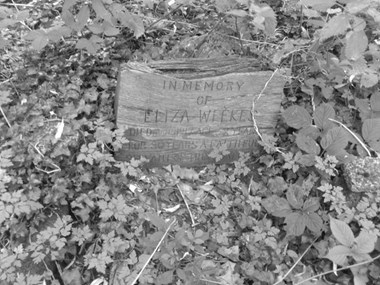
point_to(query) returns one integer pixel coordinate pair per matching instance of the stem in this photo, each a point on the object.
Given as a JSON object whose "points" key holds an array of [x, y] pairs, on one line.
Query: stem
{"points": [[336, 270], [154, 251], [295, 264]]}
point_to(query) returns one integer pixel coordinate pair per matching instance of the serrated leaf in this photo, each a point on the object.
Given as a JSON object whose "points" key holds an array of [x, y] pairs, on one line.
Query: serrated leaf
{"points": [[295, 224], [375, 102], [320, 5], [356, 44], [338, 25], [322, 114], [338, 254], [335, 141], [294, 195], [342, 232], [313, 222], [297, 117], [278, 207], [371, 132], [311, 205], [365, 242], [307, 144], [369, 79], [310, 131]]}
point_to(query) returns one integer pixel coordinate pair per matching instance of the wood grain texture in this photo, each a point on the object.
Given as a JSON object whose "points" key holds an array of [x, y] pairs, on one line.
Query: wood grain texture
{"points": [[176, 113]]}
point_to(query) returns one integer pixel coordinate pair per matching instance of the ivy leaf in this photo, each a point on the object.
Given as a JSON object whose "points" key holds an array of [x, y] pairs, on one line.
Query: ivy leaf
{"points": [[338, 254], [338, 25], [297, 117], [322, 114], [356, 44], [342, 232]]}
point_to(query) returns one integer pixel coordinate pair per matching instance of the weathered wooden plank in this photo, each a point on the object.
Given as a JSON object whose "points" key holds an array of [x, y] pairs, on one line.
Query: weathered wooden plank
{"points": [[179, 114]]}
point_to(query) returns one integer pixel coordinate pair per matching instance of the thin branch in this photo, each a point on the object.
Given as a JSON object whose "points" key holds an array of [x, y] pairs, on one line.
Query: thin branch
{"points": [[5, 117], [154, 251], [336, 270], [255, 126], [355, 136], [187, 206], [295, 264]]}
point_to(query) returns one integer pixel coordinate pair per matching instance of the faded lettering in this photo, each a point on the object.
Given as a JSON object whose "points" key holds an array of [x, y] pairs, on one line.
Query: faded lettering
{"points": [[201, 85]]}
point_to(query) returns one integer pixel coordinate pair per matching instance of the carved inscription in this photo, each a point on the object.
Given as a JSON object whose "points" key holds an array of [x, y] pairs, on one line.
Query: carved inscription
{"points": [[203, 116], [180, 121], [202, 85]]}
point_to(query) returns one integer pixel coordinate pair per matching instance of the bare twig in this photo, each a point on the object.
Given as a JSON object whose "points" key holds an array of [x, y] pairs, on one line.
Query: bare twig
{"points": [[57, 169], [196, 51], [5, 117], [255, 126], [163, 17], [355, 136], [295, 264], [154, 251], [336, 270], [187, 206]]}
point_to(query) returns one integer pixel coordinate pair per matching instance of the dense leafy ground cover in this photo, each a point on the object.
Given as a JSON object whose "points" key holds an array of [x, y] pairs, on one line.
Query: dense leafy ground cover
{"points": [[71, 214]]}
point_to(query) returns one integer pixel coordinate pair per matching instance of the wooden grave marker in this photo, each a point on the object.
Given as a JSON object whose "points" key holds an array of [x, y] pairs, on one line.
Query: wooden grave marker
{"points": [[177, 112]]}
